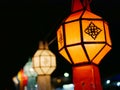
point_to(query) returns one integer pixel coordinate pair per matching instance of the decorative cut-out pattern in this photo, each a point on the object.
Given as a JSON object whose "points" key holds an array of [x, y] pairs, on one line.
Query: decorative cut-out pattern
{"points": [[92, 30], [60, 38]]}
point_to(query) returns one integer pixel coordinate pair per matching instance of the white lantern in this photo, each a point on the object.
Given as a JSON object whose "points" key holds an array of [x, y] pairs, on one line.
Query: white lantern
{"points": [[44, 61]]}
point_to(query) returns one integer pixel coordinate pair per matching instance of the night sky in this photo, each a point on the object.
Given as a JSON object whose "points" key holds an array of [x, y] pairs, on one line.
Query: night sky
{"points": [[24, 23]]}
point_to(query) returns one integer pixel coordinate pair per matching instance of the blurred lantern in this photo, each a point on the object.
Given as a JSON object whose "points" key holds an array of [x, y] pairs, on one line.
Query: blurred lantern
{"points": [[23, 79], [16, 82], [31, 74], [44, 63], [83, 40]]}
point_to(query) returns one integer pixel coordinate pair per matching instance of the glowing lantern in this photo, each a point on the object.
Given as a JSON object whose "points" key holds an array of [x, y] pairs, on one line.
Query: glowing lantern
{"points": [[83, 38], [28, 69], [31, 74], [82, 33], [44, 63], [23, 79], [16, 82]]}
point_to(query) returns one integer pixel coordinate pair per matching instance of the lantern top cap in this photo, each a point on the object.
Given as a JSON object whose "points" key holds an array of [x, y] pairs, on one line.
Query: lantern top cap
{"points": [[80, 4], [43, 45]]}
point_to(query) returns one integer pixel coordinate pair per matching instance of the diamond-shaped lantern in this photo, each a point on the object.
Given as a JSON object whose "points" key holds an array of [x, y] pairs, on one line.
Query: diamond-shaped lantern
{"points": [[83, 37], [44, 61]]}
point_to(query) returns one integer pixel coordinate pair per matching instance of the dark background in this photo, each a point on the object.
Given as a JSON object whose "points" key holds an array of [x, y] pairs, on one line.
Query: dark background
{"points": [[23, 23]]}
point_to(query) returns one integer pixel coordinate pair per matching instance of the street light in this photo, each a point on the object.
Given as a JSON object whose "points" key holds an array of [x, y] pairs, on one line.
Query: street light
{"points": [[31, 74], [66, 74], [44, 63], [83, 40]]}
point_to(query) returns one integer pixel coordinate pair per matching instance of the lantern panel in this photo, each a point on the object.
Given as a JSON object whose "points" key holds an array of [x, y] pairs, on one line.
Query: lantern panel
{"points": [[53, 61], [60, 37], [74, 16], [99, 57], [38, 70], [50, 53], [107, 33], [94, 48], [77, 54], [51, 69], [44, 53], [45, 69], [88, 14], [36, 62], [93, 31], [72, 33], [45, 60], [38, 53], [64, 54]]}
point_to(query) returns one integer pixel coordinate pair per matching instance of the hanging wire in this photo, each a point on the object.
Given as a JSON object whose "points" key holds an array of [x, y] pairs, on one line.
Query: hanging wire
{"points": [[51, 36], [52, 41]]}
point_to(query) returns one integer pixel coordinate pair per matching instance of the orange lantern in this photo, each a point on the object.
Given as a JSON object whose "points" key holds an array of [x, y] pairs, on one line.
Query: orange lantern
{"points": [[83, 38]]}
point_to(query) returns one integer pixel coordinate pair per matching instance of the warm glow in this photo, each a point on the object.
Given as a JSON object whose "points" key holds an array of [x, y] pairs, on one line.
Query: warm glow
{"points": [[78, 57], [45, 61], [64, 54], [83, 38], [39, 71], [93, 47], [102, 53], [98, 35], [72, 30], [23, 79], [90, 15], [60, 38], [74, 16], [107, 34]]}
